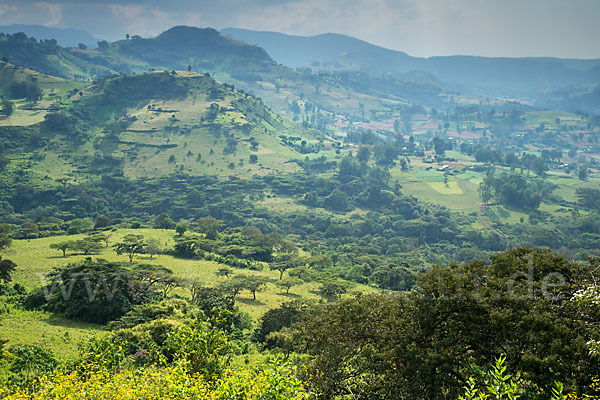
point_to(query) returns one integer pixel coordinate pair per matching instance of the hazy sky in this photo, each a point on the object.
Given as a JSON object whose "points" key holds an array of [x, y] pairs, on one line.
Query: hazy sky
{"points": [[559, 28]]}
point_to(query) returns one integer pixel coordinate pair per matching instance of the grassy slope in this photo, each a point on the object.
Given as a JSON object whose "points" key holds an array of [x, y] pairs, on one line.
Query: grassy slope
{"points": [[35, 258], [182, 132], [25, 113]]}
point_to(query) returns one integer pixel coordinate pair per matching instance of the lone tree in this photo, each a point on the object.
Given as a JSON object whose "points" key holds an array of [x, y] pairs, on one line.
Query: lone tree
{"points": [[288, 282], [6, 108], [131, 245], [62, 246], [152, 247], [284, 264], [6, 269], [253, 283], [86, 245], [226, 272]]}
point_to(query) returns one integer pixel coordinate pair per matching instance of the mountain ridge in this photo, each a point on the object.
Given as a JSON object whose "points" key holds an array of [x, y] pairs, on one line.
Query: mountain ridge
{"points": [[66, 37], [505, 75]]}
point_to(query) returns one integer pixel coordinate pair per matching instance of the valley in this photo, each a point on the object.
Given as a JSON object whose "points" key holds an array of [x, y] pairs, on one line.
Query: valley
{"points": [[195, 186]]}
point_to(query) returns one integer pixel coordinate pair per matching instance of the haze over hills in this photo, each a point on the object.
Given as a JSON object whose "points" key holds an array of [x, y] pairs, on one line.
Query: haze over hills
{"points": [[65, 37], [204, 50], [507, 76], [335, 62]]}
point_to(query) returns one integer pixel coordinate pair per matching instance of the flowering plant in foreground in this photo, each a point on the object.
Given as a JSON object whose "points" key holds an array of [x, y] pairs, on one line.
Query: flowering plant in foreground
{"points": [[273, 381]]}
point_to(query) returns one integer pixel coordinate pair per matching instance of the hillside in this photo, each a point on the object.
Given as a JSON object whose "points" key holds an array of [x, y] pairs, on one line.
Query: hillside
{"points": [[157, 124], [471, 74], [245, 66], [48, 57], [202, 49], [65, 37], [325, 49]]}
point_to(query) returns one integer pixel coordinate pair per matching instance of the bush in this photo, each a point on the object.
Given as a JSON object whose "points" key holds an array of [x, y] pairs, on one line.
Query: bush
{"points": [[25, 90], [99, 291]]}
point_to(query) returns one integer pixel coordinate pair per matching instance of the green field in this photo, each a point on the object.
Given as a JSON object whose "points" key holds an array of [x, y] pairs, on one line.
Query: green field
{"points": [[35, 258]]}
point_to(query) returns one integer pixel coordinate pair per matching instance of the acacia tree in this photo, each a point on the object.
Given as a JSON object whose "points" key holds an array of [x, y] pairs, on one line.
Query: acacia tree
{"points": [[284, 264], [62, 246], [232, 286], [226, 272], [131, 245], [249, 282], [288, 282], [87, 245], [149, 278]]}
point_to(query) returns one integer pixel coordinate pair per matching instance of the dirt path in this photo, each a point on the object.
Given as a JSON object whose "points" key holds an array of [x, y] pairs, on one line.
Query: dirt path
{"points": [[487, 224]]}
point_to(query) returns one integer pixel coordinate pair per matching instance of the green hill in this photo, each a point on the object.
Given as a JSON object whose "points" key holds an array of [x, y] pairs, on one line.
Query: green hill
{"points": [[155, 124], [245, 66], [202, 49], [48, 57]]}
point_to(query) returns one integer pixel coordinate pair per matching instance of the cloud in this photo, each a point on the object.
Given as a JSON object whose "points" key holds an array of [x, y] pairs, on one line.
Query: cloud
{"points": [[125, 11], [7, 8], [53, 12], [418, 27]]}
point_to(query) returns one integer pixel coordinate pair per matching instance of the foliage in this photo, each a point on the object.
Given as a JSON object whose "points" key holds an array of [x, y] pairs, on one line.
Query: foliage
{"points": [[6, 269], [131, 245], [209, 226], [163, 221], [252, 283], [99, 291], [25, 90], [288, 282], [207, 350], [333, 289], [30, 362], [181, 227], [276, 319], [6, 107], [191, 363], [270, 381], [143, 313], [62, 246], [415, 343], [515, 190], [217, 305]]}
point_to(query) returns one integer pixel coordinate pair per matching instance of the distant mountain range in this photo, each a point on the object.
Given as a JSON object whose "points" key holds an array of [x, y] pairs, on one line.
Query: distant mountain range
{"points": [[478, 75], [65, 37], [330, 64]]}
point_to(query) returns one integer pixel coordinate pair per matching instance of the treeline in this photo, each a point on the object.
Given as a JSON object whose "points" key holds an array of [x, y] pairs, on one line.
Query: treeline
{"points": [[432, 343], [515, 190], [396, 227]]}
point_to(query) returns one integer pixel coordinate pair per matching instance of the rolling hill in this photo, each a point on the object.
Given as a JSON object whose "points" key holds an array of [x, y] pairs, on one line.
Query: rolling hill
{"points": [[477, 75], [64, 37], [246, 66], [156, 124]]}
